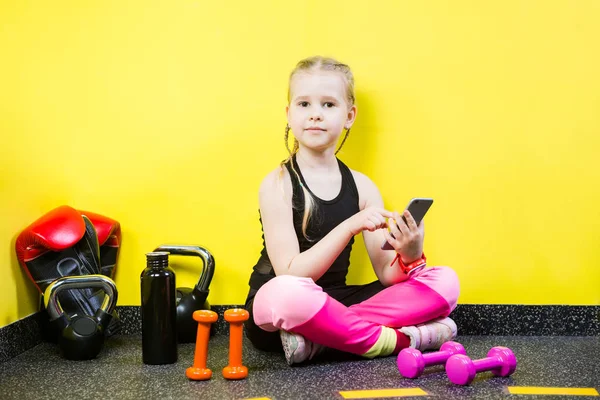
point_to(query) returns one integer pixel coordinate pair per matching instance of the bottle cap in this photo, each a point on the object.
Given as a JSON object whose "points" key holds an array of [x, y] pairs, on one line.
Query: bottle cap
{"points": [[158, 259], [157, 255]]}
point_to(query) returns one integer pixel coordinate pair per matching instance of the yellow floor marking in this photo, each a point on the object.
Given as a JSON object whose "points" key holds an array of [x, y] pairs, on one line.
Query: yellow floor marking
{"points": [[552, 390], [259, 398], [379, 393]]}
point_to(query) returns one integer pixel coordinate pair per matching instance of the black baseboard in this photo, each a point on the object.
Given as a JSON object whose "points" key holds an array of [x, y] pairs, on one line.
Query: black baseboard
{"points": [[132, 319], [522, 320], [472, 319], [20, 336]]}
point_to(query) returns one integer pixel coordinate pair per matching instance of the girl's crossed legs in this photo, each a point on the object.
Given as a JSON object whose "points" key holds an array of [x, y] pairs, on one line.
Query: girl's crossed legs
{"points": [[356, 319]]}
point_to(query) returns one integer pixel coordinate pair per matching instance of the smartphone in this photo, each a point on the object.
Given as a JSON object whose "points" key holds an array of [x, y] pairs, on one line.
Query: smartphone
{"points": [[417, 207]]}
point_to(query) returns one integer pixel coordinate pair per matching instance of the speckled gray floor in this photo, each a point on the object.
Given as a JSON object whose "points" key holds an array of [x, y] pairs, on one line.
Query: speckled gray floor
{"points": [[118, 373]]}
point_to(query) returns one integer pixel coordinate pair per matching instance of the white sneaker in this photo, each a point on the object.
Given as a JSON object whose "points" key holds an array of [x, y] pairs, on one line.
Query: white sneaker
{"points": [[297, 349], [431, 335]]}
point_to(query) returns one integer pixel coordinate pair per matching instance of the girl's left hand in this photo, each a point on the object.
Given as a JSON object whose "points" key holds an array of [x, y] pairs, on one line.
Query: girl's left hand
{"points": [[409, 237]]}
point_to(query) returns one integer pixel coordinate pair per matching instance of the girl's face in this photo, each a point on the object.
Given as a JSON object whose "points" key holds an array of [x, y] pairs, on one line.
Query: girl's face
{"points": [[318, 111]]}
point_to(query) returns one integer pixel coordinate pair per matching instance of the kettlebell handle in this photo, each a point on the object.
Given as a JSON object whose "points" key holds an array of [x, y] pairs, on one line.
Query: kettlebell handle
{"points": [[207, 258], [80, 282]]}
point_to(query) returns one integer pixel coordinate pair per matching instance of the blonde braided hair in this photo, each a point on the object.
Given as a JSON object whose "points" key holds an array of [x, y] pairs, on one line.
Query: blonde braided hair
{"points": [[312, 64]]}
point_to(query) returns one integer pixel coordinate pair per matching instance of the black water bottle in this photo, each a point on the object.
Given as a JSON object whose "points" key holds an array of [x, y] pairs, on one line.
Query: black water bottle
{"points": [[159, 310]]}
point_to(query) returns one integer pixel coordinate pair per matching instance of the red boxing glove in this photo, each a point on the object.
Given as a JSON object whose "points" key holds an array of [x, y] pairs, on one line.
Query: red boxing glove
{"points": [[47, 249], [64, 242]]}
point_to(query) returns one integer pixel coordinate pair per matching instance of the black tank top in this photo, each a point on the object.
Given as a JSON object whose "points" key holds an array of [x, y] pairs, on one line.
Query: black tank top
{"points": [[327, 215]]}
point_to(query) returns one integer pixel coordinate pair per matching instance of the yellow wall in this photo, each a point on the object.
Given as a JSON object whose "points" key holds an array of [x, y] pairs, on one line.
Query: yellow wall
{"points": [[166, 116]]}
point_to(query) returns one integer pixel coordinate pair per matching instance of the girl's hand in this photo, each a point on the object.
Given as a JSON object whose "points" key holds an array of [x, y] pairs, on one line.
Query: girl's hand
{"points": [[370, 219], [408, 237]]}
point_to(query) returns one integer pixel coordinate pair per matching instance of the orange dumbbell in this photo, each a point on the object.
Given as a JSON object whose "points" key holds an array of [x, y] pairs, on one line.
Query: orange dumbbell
{"points": [[236, 318], [198, 371]]}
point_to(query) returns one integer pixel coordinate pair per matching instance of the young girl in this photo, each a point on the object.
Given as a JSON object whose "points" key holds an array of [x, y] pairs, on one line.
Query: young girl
{"points": [[311, 207]]}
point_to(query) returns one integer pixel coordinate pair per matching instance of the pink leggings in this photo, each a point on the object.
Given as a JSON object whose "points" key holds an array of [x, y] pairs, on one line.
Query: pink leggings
{"points": [[298, 305]]}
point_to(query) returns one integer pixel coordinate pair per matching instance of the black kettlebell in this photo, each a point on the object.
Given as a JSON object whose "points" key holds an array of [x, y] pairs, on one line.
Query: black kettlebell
{"points": [[81, 337], [192, 299]]}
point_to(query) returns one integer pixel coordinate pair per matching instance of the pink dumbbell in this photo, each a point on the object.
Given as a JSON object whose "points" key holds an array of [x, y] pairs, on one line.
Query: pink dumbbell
{"points": [[411, 362], [500, 360]]}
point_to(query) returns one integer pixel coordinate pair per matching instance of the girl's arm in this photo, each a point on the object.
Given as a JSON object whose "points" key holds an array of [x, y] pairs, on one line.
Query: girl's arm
{"points": [[369, 196], [275, 198]]}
